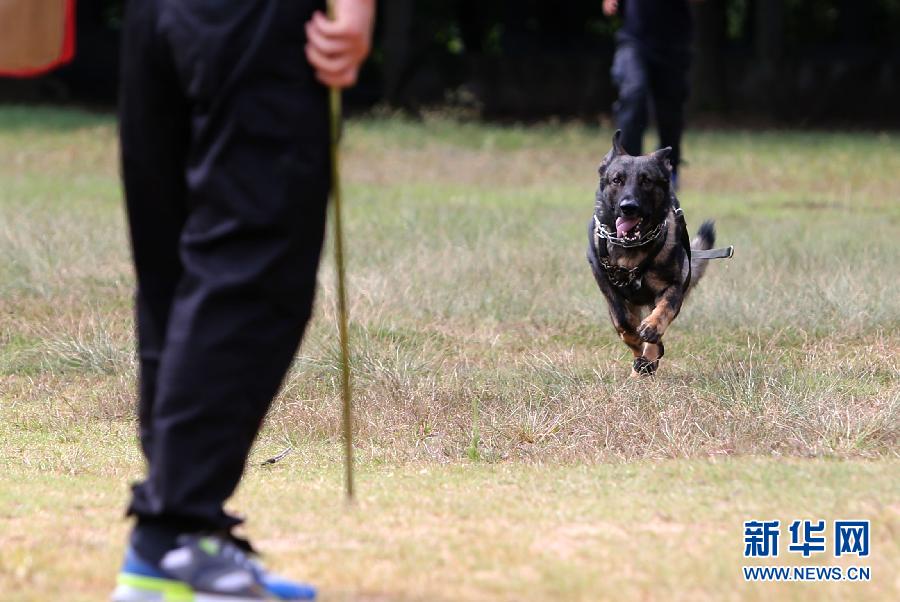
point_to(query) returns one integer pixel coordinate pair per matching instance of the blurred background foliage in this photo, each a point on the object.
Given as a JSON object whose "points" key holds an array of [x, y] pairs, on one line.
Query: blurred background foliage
{"points": [[803, 62]]}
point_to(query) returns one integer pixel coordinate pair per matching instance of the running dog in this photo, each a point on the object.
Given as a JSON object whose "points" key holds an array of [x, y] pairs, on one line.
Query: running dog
{"points": [[640, 253]]}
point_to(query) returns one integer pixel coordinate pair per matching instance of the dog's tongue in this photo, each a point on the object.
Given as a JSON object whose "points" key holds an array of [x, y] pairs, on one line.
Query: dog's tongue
{"points": [[625, 224]]}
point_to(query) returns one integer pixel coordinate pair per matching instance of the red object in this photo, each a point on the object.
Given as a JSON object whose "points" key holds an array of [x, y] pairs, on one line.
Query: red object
{"points": [[65, 54]]}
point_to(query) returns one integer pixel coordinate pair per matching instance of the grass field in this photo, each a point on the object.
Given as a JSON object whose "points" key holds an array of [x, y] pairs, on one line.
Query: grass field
{"points": [[504, 452]]}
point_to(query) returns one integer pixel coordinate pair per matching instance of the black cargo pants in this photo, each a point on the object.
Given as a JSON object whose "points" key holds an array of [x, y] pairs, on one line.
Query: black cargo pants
{"points": [[648, 80], [224, 142]]}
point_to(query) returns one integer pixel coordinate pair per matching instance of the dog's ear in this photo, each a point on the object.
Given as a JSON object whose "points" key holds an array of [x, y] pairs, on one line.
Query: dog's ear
{"points": [[662, 157], [617, 143], [614, 152]]}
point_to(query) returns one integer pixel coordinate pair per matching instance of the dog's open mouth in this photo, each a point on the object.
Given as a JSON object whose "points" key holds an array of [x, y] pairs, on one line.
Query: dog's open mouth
{"points": [[628, 228]]}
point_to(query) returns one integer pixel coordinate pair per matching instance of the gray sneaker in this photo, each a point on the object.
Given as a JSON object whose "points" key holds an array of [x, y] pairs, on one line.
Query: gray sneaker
{"points": [[203, 569]]}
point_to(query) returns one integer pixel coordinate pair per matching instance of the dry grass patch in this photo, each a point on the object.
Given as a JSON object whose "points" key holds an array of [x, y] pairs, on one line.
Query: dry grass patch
{"points": [[477, 330], [504, 452]]}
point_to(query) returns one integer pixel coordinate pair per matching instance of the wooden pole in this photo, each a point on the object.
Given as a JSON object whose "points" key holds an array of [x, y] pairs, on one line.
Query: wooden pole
{"points": [[334, 105]]}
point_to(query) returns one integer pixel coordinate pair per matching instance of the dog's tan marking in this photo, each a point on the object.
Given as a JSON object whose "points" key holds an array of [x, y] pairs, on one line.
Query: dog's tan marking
{"points": [[631, 260], [651, 351], [654, 283], [633, 341], [628, 330], [660, 318]]}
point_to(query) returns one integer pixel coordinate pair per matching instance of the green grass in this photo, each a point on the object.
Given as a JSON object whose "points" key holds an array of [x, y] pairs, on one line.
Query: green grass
{"points": [[504, 452]]}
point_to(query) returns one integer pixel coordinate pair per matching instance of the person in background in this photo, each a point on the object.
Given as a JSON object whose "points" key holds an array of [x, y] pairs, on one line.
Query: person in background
{"points": [[650, 70], [224, 142]]}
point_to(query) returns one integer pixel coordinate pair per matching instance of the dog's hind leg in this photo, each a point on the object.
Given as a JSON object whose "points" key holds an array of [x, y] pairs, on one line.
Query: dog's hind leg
{"points": [[653, 327], [648, 361], [653, 351]]}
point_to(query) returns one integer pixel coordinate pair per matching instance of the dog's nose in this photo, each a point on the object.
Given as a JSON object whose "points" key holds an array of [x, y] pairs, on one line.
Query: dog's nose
{"points": [[628, 207]]}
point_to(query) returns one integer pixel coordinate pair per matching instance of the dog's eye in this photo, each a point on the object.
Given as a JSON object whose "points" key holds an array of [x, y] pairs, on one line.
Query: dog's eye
{"points": [[617, 180]]}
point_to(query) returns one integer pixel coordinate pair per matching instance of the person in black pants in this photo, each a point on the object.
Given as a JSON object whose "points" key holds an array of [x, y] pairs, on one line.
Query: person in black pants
{"points": [[650, 69], [224, 145]]}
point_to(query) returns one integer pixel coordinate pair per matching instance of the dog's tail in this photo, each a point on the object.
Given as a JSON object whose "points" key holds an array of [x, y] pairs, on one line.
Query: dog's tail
{"points": [[705, 239]]}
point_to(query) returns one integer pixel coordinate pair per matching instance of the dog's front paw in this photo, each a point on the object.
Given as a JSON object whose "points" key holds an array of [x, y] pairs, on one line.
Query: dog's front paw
{"points": [[644, 367], [649, 332]]}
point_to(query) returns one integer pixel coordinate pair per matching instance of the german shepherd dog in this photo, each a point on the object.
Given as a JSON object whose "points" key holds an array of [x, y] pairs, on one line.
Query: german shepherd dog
{"points": [[639, 250]]}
